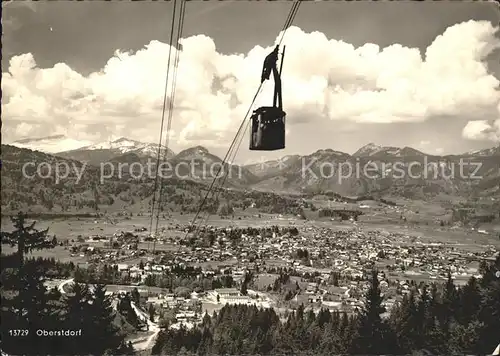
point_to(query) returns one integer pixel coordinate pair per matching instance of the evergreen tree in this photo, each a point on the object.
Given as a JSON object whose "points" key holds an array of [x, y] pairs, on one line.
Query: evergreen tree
{"points": [[28, 308], [77, 307], [244, 285], [25, 237], [373, 334], [151, 312], [125, 308], [25, 303], [136, 297], [464, 338], [448, 305], [489, 313], [104, 334], [404, 318], [469, 301], [421, 319]]}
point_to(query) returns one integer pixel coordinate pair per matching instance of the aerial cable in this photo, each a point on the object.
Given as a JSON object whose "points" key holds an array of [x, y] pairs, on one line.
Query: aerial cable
{"points": [[222, 165], [228, 154], [172, 28], [171, 108], [219, 189], [288, 22], [232, 157], [174, 81]]}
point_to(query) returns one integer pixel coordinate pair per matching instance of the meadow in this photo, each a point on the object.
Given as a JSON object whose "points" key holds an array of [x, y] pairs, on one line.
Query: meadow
{"points": [[422, 221]]}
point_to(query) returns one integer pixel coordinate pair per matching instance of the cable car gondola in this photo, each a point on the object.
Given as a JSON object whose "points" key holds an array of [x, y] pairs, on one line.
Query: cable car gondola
{"points": [[268, 122]]}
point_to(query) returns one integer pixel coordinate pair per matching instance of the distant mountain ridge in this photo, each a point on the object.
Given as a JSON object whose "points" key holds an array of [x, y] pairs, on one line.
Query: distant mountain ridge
{"points": [[82, 190], [398, 171], [110, 151], [371, 150], [306, 173], [310, 174], [125, 145], [493, 151]]}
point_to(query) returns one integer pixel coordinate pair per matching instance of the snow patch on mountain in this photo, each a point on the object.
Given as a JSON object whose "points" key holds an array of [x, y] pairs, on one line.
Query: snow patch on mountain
{"points": [[493, 151], [372, 149], [198, 153], [368, 150], [125, 145]]}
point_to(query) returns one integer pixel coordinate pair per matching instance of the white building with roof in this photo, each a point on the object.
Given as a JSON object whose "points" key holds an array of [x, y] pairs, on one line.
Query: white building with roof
{"points": [[233, 296]]}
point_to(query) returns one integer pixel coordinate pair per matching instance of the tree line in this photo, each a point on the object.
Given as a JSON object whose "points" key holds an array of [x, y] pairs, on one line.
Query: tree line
{"points": [[431, 318], [31, 313], [438, 319]]}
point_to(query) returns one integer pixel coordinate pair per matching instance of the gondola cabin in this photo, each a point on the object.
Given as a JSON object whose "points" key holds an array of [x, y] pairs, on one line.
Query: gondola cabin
{"points": [[268, 122], [268, 129]]}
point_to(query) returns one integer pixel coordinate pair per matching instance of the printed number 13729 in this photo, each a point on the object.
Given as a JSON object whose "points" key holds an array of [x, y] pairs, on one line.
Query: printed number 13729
{"points": [[18, 332]]}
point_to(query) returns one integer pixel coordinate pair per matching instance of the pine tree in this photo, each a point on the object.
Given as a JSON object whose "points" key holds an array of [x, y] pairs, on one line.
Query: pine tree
{"points": [[448, 304], [77, 307], [206, 321], [421, 320], [26, 237], [28, 308], [405, 316], [25, 302], [125, 309], [205, 344], [246, 281], [151, 311], [136, 297], [489, 314], [372, 333], [488, 272], [470, 302], [102, 330]]}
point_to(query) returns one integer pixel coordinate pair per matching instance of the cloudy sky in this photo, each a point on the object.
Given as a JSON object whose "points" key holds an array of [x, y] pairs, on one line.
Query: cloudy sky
{"points": [[420, 74]]}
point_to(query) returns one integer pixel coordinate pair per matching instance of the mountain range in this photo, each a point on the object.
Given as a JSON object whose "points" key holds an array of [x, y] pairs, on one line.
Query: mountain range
{"points": [[104, 151], [394, 171]]}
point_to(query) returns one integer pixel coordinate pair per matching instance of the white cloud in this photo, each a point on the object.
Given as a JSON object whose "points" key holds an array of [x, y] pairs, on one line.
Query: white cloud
{"points": [[324, 79], [54, 145], [483, 130]]}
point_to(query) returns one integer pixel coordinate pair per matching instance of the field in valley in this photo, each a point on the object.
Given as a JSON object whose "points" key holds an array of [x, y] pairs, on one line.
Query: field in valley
{"points": [[421, 222]]}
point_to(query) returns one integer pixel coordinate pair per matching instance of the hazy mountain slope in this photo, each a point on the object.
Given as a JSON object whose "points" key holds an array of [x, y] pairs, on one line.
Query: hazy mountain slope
{"points": [[89, 189], [104, 152], [199, 164], [373, 150], [126, 168], [388, 171]]}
